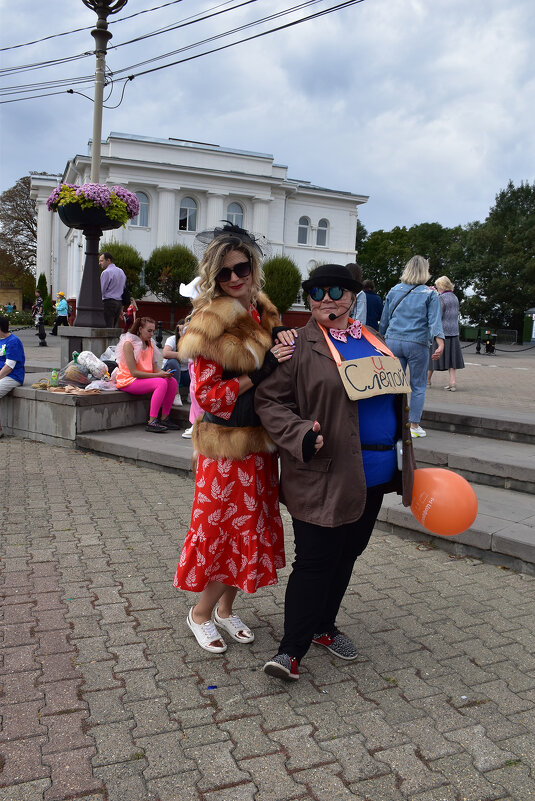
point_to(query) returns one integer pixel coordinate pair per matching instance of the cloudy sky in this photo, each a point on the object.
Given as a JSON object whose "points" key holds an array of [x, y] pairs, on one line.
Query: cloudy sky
{"points": [[424, 105]]}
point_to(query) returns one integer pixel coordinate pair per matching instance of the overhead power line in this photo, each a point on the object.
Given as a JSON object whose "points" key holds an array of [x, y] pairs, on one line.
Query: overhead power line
{"points": [[316, 15], [217, 36], [88, 27], [194, 18]]}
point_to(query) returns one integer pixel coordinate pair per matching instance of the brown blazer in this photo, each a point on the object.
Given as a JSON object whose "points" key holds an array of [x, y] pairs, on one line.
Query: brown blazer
{"points": [[330, 489]]}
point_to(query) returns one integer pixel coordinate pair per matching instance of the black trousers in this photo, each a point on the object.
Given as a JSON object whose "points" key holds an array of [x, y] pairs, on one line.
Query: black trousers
{"points": [[61, 320], [324, 560], [112, 311]]}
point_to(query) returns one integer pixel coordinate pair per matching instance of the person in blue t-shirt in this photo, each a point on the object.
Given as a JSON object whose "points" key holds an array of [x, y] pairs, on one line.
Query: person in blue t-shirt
{"points": [[338, 458], [11, 361]]}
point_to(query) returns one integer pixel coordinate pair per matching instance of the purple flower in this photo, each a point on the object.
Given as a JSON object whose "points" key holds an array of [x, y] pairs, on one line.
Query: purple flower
{"points": [[99, 194], [118, 202], [132, 203]]}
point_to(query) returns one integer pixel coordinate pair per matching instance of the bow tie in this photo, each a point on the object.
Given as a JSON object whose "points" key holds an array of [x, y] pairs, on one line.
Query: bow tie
{"points": [[354, 330]]}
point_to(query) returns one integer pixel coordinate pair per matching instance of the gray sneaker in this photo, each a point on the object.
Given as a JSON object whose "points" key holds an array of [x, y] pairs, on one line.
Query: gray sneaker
{"points": [[338, 644], [283, 666]]}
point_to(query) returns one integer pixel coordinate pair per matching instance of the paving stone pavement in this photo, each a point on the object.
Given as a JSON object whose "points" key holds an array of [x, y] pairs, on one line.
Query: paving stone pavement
{"points": [[106, 695]]}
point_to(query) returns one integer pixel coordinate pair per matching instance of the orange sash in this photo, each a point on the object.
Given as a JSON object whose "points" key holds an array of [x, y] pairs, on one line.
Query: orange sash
{"points": [[370, 375]]}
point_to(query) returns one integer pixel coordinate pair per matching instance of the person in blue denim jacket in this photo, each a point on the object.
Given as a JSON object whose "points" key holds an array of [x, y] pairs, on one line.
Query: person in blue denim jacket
{"points": [[410, 321]]}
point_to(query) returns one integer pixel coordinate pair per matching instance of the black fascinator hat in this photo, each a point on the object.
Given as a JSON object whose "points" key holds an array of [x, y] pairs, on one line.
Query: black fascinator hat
{"points": [[331, 275], [235, 236]]}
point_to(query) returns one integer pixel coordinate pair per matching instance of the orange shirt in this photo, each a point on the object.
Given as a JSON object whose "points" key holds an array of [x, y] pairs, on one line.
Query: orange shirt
{"points": [[144, 362]]}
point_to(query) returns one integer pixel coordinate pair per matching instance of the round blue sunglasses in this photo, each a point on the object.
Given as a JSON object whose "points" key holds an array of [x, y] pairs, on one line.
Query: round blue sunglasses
{"points": [[317, 293]]}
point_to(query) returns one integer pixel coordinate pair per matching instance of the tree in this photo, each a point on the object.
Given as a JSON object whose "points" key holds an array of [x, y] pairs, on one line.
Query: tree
{"points": [[167, 268], [502, 257], [385, 253], [13, 276], [18, 224], [42, 287], [48, 309], [128, 259], [383, 256], [283, 279], [361, 237]]}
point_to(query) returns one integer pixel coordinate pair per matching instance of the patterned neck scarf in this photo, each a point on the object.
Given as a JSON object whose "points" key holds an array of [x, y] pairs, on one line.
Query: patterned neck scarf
{"points": [[354, 330]]}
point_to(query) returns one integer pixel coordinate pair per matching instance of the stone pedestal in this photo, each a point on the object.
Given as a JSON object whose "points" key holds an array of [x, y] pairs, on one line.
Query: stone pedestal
{"points": [[81, 338]]}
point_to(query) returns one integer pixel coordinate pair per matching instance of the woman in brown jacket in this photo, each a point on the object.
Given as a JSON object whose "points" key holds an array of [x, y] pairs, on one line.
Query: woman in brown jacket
{"points": [[338, 459]]}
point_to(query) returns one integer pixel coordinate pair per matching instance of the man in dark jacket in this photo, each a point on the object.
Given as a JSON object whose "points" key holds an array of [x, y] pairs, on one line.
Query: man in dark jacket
{"points": [[374, 304]]}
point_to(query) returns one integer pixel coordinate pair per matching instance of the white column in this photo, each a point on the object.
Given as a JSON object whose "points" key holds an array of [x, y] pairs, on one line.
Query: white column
{"points": [[167, 217], [215, 210], [260, 216], [44, 241], [74, 253]]}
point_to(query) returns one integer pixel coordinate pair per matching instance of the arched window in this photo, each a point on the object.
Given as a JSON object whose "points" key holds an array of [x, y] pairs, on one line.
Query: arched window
{"points": [[143, 216], [321, 233], [302, 230], [188, 215], [235, 214]]}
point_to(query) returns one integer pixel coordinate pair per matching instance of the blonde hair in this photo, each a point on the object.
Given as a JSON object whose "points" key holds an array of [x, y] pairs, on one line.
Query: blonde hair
{"points": [[444, 284], [212, 263], [416, 271]]}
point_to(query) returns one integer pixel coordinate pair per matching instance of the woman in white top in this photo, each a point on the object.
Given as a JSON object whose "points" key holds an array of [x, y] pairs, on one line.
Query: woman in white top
{"points": [[172, 362]]}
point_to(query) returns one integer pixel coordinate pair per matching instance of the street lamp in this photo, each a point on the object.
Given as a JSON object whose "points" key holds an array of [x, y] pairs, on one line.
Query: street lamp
{"points": [[101, 34], [89, 309]]}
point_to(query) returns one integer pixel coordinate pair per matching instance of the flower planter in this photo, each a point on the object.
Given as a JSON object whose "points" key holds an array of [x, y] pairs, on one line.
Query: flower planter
{"points": [[74, 216]]}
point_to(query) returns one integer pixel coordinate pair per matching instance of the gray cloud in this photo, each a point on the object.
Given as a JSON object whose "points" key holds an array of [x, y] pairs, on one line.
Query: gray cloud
{"points": [[426, 107]]}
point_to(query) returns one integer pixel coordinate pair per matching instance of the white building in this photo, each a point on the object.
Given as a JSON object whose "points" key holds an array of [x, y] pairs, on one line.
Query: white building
{"points": [[185, 187]]}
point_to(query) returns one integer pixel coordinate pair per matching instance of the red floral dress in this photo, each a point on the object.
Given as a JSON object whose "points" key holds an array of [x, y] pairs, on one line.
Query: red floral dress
{"points": [[236, 534]]}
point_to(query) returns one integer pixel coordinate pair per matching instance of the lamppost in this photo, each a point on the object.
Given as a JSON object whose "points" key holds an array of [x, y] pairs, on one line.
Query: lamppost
{"points": [[89, 310]]}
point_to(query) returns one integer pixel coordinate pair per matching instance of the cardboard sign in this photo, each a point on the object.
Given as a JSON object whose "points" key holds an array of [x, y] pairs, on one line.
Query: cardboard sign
{"points": [[373, 375]]}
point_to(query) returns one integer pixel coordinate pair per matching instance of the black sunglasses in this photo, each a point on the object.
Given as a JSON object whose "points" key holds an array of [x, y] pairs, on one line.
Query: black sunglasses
{"points": [[317, 293], [241, 270]]}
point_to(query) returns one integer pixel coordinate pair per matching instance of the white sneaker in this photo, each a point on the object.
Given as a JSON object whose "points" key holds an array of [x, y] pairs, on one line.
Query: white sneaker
{"points": [[187, 433], [235, 627], [177, 401], [418, 432], [206, 634]]}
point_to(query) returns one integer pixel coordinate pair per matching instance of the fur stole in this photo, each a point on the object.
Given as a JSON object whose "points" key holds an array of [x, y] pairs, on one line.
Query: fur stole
{"points": [[224, 332]]}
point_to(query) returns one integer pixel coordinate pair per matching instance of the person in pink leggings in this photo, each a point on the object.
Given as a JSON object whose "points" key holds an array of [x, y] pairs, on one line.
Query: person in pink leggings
{"points": [[138, 374]]}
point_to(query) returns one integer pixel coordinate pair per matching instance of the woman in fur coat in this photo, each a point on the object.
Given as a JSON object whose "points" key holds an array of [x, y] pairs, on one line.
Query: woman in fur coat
{"points": [[235, 540]]}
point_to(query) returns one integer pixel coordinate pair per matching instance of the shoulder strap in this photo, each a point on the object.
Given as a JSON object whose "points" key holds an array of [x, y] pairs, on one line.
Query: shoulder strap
{"points": [[403, 298]]}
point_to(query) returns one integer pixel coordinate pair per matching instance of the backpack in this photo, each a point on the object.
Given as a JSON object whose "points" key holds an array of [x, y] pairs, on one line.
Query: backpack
{"points": [[126, 296], [69, 309]]}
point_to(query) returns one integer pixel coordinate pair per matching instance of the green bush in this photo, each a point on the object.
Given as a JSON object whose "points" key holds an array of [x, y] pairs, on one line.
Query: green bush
{"points": [[167, 268], [130, 261], [310, 271], [20, 318], [49, 312], [42, 287], [283, 279]]}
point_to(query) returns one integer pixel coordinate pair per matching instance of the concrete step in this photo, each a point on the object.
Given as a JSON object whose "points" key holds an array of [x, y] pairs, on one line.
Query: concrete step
{"points": [[491, 462], [169, 451], [503, 531], [481, 421]]}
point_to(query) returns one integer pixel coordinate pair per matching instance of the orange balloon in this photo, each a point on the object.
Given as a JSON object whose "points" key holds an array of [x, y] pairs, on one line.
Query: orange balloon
{"points": [[443, 502]]}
